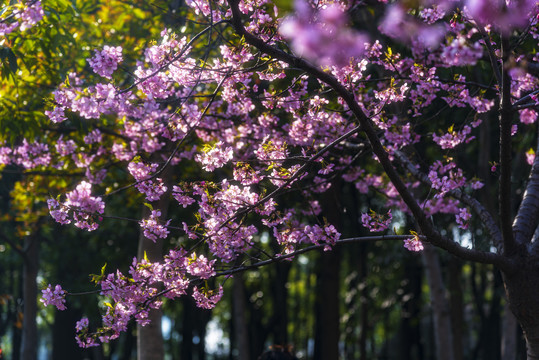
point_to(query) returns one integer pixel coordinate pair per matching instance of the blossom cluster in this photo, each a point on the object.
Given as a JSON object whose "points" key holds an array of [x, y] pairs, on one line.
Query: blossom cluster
{"points": [[413, 243], [54, 297], [376, 222], [79, 207], [153, 229], [106, 61], [462, 218], [134, 295], [25, 15], [322, 36]]}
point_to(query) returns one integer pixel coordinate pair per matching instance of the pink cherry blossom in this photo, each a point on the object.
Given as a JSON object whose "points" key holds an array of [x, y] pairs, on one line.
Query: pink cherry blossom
{"points": [[54, 297], [413, 244], [106, 61]]}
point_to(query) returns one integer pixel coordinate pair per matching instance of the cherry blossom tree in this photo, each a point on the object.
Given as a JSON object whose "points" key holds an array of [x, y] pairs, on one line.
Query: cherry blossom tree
{"points": [[264, 104]]}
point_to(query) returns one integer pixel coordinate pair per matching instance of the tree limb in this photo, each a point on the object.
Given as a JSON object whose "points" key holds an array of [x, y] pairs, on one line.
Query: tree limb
{"points": [[423, 222], [291, 255], [505, 118], [527, 217], [480, 210]]}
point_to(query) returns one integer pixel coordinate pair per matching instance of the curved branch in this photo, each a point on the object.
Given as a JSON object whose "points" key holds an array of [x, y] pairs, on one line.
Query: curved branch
{"points": [[424, 223], [491, 54], [480, 210], [291, 255], [506, 114], [527, 218]]}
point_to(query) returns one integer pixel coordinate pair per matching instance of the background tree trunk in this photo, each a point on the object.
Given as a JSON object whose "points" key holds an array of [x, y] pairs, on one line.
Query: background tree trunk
{"points": [[64, 345], [150, 337], [509, 334], [240, 321], [326, 341], [279, 294], [440, 307], [150, 345], [327, 303], [29, 325], [456, 306]]}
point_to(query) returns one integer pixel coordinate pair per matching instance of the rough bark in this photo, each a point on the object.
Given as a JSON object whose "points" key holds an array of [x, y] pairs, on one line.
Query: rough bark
{"points": [[522, 289], [527, 218], [440, 307], [29, 326]]}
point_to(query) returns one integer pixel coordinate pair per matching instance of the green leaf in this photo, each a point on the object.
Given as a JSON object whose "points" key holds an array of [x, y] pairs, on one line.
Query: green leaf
{"points": [[149, 206]]}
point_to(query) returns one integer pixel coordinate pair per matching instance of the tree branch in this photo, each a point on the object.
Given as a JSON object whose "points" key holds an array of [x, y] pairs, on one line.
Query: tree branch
{"points": [[291, 255], [505, 118], [480, 210], [424, 223], [491, 54], [527, 217]]}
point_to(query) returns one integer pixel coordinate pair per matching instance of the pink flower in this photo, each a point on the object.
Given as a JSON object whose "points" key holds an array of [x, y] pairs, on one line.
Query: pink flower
{"points": [[82, 324], [530, 156], [152, 228], [323, 37], [56, 115], [31, 15], [462, 218], [413, 244], [201, 267], [105, 62], [207, 299], [215, 157], [54, 297], [376, 222], [528, 116], [502, 14]]}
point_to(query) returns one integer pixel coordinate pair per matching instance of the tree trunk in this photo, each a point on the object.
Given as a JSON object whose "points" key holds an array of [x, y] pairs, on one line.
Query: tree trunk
{"points": [[410, 345], [188, 308], [150, 345], [240, 322], [509, 334], [456, 306], [440, 307], [326, 341], [64, 345], [279, 318], [29, 327], [522, 289], [149, 337], [327, 329]]}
